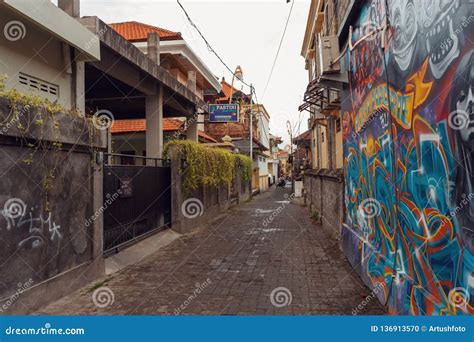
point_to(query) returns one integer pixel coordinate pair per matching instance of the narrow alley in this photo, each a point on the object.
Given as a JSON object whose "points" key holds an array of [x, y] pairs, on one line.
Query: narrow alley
{"points": [[263, 257]]}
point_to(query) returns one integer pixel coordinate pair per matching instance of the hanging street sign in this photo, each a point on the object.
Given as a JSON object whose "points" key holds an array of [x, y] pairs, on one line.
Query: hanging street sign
{"points": [[224, 112]]}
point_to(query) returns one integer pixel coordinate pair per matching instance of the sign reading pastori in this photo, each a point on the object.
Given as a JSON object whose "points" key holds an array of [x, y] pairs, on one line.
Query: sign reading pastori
{"points": [[224, 112]]}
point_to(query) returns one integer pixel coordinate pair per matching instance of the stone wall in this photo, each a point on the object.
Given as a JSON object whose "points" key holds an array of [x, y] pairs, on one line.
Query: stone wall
{"points": [[324, 193], [204, 204], [47, 192]]}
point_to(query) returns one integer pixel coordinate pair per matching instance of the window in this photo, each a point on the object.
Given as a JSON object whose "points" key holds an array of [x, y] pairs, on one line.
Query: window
{"points": [[338, 125], [322, 136]]}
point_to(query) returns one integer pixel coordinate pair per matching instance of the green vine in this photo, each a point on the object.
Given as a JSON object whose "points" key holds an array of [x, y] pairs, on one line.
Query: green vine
{"points": [[207, 165], [22, 108]]}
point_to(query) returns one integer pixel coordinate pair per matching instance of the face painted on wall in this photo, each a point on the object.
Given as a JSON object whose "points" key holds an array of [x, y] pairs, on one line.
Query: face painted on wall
{"points": [[462, 99], [442, 42], [404, 21]]}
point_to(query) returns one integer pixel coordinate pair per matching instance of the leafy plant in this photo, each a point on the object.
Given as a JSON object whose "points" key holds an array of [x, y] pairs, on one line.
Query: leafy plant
{"points": [[205, 165], [315, 216], [22, 108]]}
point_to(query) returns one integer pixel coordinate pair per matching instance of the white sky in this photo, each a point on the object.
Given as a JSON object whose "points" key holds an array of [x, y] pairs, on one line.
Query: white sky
{"points": [[242, 32]]}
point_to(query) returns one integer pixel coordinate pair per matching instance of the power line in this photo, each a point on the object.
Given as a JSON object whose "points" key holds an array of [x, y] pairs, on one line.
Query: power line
{"points": [[209, 47], [278, 51]]}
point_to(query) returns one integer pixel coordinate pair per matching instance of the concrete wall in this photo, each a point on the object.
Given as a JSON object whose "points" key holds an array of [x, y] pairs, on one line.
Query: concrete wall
{"points": [[45, 241], [189, 211], [38, 54], [324, 193], [408, 152]]}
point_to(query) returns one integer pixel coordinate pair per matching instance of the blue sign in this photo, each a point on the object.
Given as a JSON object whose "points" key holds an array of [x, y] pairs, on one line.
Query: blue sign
{"points": [[224, 112]]}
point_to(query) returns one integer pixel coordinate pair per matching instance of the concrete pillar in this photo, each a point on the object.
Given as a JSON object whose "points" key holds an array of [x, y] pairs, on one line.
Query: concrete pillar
{"points": [[71, 7], [192, 129], [153, 47], [80, 85], [331, 142], [318, 146], [154, 125]]}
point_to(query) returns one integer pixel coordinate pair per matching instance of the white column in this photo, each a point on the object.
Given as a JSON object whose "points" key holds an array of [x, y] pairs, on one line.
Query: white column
{"points": [[154, 124], [192, 129]]}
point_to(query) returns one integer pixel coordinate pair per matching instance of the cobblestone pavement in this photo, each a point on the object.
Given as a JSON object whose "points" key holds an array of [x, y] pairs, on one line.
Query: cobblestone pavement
{"points": [[232, 266]]}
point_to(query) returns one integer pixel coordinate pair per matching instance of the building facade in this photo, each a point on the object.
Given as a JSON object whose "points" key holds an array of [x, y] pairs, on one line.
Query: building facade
{"points": [[408, 153], [405, 81]]}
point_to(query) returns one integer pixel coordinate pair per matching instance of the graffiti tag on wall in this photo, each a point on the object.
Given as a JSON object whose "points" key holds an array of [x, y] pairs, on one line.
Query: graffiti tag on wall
{"points": [[409, 156]]}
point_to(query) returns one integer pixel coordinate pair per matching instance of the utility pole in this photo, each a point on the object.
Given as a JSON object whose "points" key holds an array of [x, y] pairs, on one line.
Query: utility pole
{"points": [[251, 135]]}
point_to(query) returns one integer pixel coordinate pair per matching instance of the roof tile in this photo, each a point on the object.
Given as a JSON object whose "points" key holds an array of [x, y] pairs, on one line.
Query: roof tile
{"points": [[136, 32]]}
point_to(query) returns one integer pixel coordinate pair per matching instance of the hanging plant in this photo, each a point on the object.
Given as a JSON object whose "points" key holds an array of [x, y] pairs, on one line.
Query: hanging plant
{"points": [[207, 165]]}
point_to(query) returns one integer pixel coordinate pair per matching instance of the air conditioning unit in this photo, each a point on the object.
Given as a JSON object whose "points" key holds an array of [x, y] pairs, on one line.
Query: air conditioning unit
{"points": [[328, 51]]}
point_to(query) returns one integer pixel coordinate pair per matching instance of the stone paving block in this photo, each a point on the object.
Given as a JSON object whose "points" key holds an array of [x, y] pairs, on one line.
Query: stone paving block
{"points": [[287, 267]]}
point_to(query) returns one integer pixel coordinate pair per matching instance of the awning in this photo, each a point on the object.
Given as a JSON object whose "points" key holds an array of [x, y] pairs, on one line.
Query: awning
{"points": [[317, 91]]}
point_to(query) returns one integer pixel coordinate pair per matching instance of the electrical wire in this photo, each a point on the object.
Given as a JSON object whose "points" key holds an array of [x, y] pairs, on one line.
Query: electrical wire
{"points": [[209, 47], [278, 51]]}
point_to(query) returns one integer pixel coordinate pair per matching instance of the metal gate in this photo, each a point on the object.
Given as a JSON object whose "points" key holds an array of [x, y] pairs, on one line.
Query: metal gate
{"points": [[137, 201]]}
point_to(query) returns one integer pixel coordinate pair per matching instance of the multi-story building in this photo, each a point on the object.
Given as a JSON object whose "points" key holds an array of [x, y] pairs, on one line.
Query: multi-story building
{"points": [[322, 97], [405, 86], [239, 132], [273, 162], [175, 56]]}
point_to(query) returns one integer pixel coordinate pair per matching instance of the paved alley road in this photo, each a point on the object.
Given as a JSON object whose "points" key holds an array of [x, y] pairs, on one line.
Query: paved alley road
{"points": [[232, 267]]}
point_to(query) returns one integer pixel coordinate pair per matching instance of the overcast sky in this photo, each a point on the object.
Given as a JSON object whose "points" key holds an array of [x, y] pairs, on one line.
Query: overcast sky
{"points": [[242, 32]]}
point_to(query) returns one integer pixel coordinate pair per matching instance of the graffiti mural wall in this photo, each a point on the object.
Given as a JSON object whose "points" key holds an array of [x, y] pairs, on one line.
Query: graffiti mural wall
{"points": [[408, 155]]}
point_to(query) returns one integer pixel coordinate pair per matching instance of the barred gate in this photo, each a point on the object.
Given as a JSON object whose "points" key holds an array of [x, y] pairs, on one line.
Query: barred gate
{"points": [[137, 200]]}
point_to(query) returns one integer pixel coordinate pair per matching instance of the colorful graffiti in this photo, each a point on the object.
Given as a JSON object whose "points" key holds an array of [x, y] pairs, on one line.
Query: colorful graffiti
{"points": [[409, 155]]}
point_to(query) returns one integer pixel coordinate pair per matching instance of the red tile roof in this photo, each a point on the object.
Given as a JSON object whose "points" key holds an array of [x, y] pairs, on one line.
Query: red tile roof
{"points": [[226, 89], [138, 32], [139, 125], [205, 136], [306, 136]]}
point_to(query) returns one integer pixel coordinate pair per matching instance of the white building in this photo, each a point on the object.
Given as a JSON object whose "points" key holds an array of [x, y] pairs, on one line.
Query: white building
{"points": [[43, 50]]}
